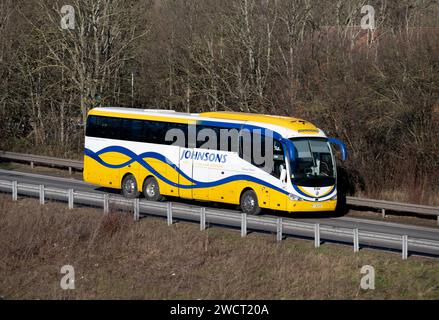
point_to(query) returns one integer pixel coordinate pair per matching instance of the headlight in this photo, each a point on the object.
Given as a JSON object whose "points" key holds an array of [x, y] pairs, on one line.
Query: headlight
{"points": [[294, 197]]}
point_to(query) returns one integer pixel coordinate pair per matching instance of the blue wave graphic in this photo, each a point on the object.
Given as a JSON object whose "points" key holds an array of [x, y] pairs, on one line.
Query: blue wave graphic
{"points": [[153, 155], [305, 195], [194, 183]]}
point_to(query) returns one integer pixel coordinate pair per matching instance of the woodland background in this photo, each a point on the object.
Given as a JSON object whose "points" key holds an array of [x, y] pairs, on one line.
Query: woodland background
{"points": [[377, 90]]}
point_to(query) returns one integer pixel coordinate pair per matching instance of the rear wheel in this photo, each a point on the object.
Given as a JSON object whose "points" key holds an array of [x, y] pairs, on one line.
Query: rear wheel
{"points": [[249, 203], [151, 190], [129, 187]]}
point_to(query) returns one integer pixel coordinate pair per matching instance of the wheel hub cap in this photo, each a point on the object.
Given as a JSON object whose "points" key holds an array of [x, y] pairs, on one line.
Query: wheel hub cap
{"points": [[130, 186], [249, 203], [151, 190]]}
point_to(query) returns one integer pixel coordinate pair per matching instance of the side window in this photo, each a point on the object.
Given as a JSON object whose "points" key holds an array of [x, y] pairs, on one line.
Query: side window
{"points": [[278, 158], [132, 130], [252, 149], [152, 132], [91, 130], [137, 130], [258, 149], [103, 127], [180, 134], [228, 139], [217, 138], [207, 137], [111, 128], [155, 132], [100, 133], [125, 130]]}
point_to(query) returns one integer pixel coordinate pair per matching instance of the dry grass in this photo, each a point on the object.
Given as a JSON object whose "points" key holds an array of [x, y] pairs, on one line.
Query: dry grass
{"points": [[117, 258], [427, 196]]}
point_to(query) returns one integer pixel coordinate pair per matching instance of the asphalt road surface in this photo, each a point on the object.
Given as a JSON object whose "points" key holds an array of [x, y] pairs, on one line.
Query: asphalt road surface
{"points": [[323, 219]]}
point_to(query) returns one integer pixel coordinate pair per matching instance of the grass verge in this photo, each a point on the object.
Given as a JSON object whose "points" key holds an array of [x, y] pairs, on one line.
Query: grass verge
{"points": [[116, 258]]}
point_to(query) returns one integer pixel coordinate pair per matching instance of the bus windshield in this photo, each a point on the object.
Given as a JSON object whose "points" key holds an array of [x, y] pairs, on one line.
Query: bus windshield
{"points": [[313, 163]]}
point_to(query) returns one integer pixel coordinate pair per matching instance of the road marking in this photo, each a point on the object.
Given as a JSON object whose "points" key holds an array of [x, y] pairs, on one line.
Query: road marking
{"points": [[339, 219]]}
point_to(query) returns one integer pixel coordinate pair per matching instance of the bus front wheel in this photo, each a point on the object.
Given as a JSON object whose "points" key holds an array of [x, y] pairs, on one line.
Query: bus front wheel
{"points": [[129, 187], [249, 203], [151, 189]]}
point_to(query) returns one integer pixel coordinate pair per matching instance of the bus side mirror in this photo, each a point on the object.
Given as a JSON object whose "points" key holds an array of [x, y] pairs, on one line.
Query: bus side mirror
{"points": [[283, 174], [342, 146]]}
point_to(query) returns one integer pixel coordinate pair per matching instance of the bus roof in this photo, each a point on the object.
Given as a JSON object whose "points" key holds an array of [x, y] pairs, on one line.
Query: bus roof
{"points": [[293, 124], [288, 127]]}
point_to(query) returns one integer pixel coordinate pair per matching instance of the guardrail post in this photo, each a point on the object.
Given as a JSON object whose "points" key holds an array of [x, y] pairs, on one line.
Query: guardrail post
{"points": [[243, 225], [169, 213], [136, 204], [438, 220], [70, 198], [14, 190], [383, 213], [42, 195], [405, 249], [70, 170], [356, 241], [279, 229], [317, 235], [32, 165], [106, 203], [203, 219]]}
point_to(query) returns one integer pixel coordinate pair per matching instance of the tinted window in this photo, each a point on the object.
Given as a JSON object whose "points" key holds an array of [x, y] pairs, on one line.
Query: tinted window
{"points": [[278, 158], [252, 148], [177, 131], [91, 127], [112, 127], [217, 138], [155, 132], [208, 137], [132, 130], [135, 130], [229, 139], [103, 127]]}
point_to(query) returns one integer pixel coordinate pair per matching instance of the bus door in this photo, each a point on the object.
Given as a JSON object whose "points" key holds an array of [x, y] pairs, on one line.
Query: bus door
{"points": [[277, 199], [204, 157], [252, 143], [201, 174], [186, 173]]}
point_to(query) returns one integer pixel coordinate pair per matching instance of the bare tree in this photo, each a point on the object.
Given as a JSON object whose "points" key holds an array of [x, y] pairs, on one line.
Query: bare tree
{"points": [[92, 54]]}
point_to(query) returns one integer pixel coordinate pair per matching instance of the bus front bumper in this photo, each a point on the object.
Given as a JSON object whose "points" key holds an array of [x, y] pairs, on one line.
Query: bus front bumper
{"points": [[308, 206]]}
